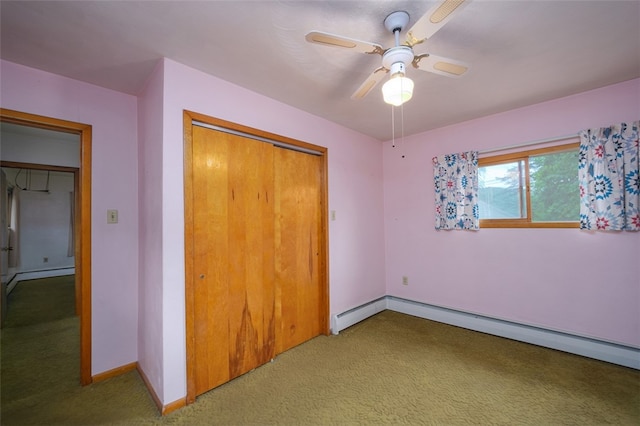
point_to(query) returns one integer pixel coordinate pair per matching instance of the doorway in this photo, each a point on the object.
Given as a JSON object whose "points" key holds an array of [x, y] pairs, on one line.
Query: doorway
{"points": [[82, 225], [255, 248], [38, 232]]}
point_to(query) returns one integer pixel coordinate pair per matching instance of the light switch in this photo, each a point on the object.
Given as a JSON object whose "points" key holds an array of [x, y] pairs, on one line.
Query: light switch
{"points": [[333, 215], [112, 216]]}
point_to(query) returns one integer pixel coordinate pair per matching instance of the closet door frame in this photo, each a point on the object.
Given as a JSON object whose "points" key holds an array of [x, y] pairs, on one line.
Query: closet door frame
{"points": [[189, 117]]}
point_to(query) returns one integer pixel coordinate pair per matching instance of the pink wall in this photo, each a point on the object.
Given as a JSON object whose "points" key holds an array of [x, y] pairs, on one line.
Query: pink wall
{"points": [[553, 278], [150, 325], [355, 193], [114, 186]]}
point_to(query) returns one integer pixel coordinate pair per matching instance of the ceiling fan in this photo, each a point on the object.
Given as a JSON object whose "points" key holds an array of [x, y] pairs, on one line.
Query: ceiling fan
{"points": [[396, 59]]}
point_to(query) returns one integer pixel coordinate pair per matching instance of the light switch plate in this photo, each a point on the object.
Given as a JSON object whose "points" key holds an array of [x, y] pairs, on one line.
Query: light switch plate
{"points": [[112, 216]]}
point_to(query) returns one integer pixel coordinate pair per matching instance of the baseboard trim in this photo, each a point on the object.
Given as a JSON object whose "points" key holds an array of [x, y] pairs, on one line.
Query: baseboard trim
{"points": [[113, 372], [147, 383], [173, 406], [614, 353], [163, 409]]}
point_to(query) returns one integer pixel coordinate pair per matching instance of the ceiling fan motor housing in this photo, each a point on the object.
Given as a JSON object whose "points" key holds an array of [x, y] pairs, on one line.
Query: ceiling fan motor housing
{"points": [[397, 58]]}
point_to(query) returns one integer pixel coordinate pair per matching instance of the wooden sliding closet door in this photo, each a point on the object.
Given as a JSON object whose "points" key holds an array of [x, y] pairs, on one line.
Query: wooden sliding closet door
{"points": [[255, 244], [300, 270], [233, 256]]}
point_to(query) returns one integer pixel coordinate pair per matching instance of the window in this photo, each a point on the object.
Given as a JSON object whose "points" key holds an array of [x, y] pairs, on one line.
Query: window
{"points": [[530, 189]]}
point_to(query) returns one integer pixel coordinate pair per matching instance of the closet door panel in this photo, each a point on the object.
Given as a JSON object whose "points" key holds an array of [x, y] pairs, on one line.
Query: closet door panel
{"points": [[211, 259], [233, 256], [251, 258], [299, 273]]}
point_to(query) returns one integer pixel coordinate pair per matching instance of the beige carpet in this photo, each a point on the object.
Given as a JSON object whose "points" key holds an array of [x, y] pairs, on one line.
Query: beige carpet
{"points": [[389, 369]]}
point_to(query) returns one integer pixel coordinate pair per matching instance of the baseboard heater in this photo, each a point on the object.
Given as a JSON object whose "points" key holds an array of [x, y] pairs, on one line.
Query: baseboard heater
{"points": [[32, 275], [353, 316], [614, 353]]}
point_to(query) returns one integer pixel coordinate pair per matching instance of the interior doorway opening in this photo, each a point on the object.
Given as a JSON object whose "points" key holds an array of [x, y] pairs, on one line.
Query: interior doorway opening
{"points": [[82, 213]]}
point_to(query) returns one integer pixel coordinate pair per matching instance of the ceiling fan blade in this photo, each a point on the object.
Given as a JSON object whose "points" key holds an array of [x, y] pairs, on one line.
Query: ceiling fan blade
{"points": [[369, 83], [440, 65], [433, 20], [333, 40]]}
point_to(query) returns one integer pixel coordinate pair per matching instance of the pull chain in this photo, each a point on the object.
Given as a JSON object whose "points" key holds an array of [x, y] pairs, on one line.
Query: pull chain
{"points": [[393, 128], [393, 124], [402, 125]]}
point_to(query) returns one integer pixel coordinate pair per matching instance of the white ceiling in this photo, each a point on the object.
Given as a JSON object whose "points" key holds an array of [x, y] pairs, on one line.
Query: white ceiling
{"points": [[520, 52]]}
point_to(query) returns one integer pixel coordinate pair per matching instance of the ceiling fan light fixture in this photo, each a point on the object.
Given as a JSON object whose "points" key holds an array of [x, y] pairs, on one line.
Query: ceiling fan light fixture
{"points": [[398, 89]]}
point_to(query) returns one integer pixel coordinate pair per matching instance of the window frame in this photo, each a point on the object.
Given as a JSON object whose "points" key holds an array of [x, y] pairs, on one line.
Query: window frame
{"points": [[484, 161]]}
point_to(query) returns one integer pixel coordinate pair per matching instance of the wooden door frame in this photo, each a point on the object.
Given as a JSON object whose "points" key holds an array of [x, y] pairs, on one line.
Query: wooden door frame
{"points": [[82, 231], [189, 238]]}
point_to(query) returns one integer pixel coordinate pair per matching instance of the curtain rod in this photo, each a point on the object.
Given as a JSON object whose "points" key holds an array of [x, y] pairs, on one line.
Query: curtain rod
{"points": [[538, 142]]}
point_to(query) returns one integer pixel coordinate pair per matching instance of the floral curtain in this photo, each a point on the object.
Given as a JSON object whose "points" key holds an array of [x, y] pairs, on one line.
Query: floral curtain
{"points": [[609, 178], [456, 184]]}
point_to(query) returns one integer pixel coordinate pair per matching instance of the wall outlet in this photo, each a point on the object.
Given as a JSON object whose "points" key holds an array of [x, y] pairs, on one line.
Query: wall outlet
{"points": [[405, 280], [45, 260]]}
